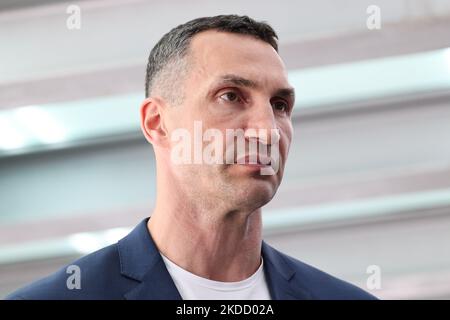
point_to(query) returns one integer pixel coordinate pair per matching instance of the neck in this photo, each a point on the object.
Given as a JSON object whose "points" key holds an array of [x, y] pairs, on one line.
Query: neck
{"points": [[213, 242]]}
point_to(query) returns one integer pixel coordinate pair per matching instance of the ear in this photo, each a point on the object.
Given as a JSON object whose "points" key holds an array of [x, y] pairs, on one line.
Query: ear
{"points": [[151, 121]]}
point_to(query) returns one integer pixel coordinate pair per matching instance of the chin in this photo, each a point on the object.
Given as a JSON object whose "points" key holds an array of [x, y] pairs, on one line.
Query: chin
{"points": [[247, 188], [255, 194]]}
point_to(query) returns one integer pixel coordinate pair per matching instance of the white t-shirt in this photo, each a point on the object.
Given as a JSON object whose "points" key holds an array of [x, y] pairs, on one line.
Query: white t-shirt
{"points": [[193, 287]]}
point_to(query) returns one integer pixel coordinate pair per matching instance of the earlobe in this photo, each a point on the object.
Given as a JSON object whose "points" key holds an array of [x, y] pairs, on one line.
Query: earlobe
{"points": [[151, 126]]}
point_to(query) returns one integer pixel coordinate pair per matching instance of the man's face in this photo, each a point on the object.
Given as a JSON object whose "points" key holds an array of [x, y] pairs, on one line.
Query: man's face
{"points": [[234, 82]]}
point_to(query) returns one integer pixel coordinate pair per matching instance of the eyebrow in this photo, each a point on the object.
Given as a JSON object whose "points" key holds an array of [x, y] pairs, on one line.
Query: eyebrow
{"points": [[236, 80]]}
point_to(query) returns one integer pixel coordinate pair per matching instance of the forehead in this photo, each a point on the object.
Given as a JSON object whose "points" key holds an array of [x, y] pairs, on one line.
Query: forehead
{"points": [[216, 53]]}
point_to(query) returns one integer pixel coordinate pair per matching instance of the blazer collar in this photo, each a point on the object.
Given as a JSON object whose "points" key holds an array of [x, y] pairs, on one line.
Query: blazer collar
{"points": [[280, 276], [140, 260]]}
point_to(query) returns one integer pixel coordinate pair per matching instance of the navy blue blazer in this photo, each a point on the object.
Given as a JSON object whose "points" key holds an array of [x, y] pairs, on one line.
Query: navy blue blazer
{"points": [[133, 269]]}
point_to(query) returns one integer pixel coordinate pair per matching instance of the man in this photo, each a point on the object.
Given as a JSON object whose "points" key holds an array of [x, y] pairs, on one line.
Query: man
{"points": [[203, 240]]}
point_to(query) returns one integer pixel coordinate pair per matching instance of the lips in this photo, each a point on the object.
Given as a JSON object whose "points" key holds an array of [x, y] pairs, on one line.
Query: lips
{"points": [[254, 160]]}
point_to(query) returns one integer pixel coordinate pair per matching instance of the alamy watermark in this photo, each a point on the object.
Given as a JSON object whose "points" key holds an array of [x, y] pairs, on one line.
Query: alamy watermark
{"points": [[373, 21], [374, 280], [74, 280], [73, 21], [243, 147]]}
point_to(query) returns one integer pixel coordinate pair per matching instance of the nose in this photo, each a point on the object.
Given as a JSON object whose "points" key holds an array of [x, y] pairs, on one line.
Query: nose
{"points": [[262, 126]]}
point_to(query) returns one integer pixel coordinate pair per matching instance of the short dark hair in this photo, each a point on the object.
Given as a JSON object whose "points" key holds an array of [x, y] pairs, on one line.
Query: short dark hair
{"points": [[173, 46]]}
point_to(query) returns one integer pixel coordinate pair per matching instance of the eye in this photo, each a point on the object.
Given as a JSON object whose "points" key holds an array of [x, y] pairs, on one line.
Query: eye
{"points": [[280, 105], [230, 96]]}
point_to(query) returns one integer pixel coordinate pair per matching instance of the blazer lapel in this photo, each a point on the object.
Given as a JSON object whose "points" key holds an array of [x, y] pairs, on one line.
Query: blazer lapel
{"points": [[140, 260], [279, 275], [156, 285]]}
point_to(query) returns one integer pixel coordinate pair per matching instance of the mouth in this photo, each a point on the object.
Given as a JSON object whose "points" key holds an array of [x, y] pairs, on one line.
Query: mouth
{"points": [[254, 160]]}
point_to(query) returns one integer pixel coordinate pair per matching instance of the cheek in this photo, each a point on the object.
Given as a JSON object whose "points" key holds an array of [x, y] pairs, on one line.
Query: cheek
{"points": [[186, 115]]}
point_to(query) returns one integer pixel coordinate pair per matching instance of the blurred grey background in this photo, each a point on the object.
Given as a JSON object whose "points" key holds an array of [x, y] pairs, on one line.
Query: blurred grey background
{"points": [[368, 178]]}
